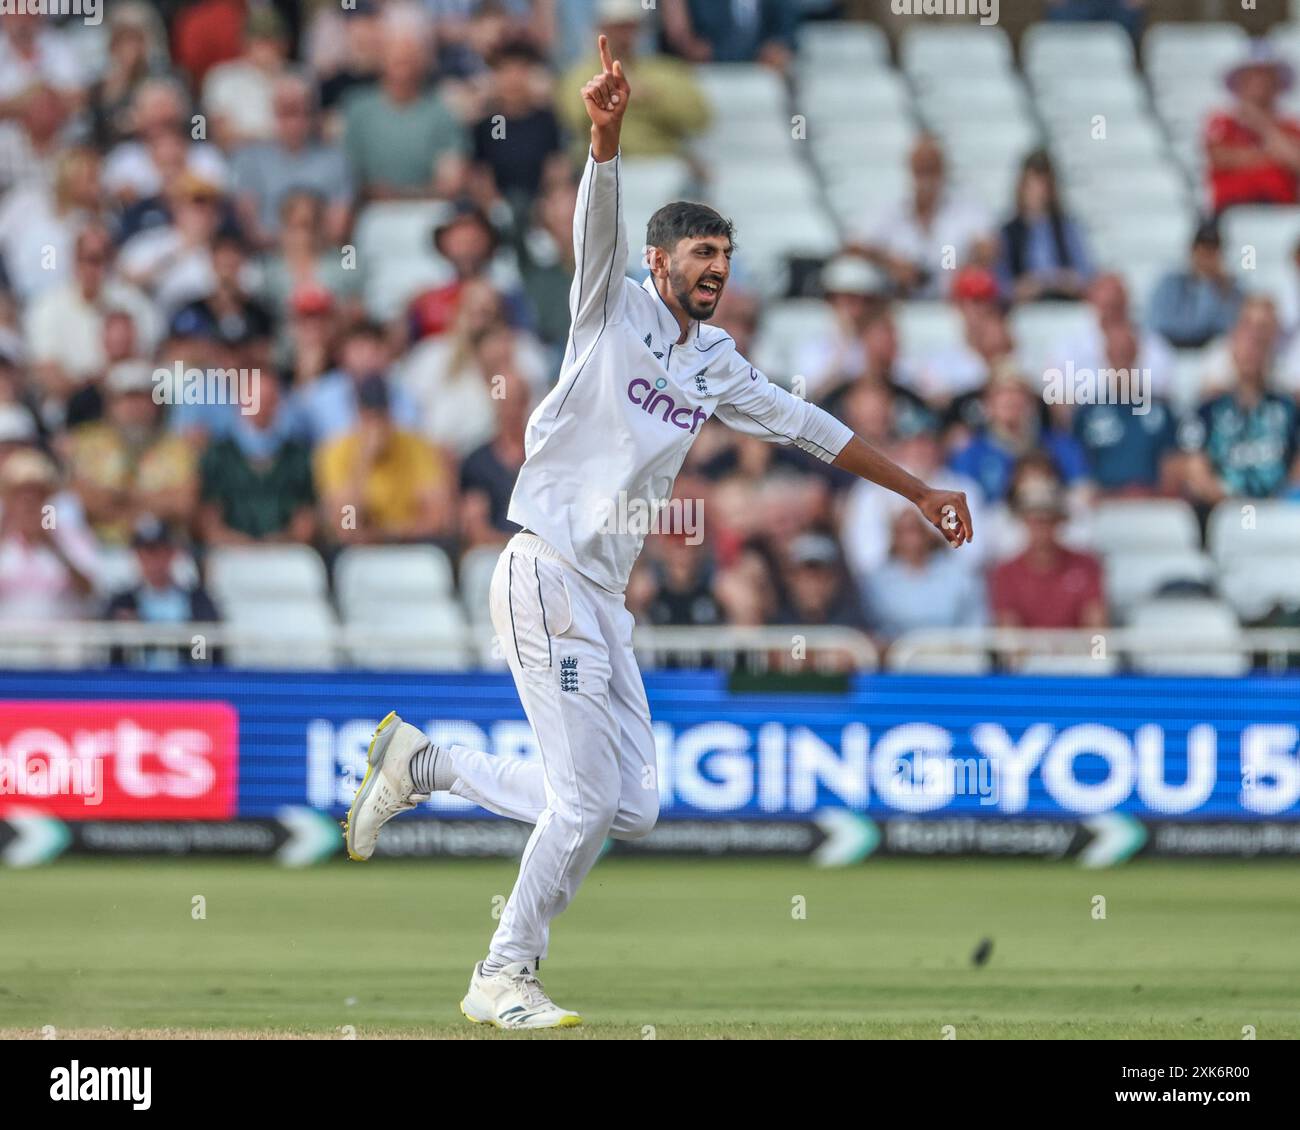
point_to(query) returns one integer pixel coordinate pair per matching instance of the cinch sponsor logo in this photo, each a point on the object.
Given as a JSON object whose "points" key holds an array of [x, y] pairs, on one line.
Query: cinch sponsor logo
{"points": [[652, 399], [82, 760]]}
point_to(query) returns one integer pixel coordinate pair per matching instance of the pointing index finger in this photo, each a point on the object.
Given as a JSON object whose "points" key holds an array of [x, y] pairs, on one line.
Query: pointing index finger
{"points": [[606, 63]]}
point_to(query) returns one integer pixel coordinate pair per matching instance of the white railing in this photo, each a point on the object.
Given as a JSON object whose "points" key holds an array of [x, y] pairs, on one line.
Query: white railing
{"points": [[791, 648]]}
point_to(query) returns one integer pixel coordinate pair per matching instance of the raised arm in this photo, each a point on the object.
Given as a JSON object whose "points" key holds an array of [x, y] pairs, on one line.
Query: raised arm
{"points": [[754, 405], [599, 236]]}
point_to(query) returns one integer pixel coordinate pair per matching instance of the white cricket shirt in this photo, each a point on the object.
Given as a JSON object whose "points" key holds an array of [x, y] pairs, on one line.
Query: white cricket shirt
{"points": [[610, 437]]}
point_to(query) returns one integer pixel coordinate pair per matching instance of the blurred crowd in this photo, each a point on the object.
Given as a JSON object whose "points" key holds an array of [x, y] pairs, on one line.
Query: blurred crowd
{"points": [[181, 189]]}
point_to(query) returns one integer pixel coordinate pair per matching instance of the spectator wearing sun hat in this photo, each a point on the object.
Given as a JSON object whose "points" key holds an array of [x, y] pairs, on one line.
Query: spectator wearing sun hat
{"points": [[47, 568], [1253, 149]]}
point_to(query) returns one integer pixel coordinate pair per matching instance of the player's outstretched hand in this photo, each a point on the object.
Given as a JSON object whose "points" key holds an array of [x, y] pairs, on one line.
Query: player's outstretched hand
{"points": [[606, 95], [947, 512]]}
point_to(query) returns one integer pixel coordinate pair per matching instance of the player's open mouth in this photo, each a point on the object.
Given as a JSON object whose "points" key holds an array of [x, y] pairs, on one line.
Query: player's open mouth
{"points": [[709, 289]]}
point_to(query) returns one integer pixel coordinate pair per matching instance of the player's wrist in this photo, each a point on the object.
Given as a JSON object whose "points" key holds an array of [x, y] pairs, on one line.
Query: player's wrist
{"points": [[604, 143]]}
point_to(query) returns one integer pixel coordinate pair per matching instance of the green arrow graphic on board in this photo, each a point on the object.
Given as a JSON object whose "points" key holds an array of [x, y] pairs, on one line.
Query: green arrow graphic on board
{"points": [[313, 836], [1115, 838], [850, 837], [37, 839]]}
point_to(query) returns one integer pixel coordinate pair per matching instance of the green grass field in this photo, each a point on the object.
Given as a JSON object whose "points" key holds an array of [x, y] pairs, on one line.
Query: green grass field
{"points": [[690, 949]]}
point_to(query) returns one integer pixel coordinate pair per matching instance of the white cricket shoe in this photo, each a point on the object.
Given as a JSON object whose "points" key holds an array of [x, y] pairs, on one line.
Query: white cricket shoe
{"points": [[387, 788], [514, 998]]}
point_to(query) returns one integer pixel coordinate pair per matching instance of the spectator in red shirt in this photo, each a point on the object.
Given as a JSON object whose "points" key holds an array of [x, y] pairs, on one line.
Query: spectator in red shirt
{"points": [[1048, 585], [1253, 150]]}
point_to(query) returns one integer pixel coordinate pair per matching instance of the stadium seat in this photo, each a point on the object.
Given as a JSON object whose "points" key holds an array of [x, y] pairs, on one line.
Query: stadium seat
{"points": [[409, 633], [942, 52], [366, 575], [1253, 528], [1041, 327], [1051, 49], [1145, 525], [1193, 637], [740, 91], [396, 228], [282, 631], [255, 574], [841, 46], [927, 326], [1192, 48], [1254, 586], [1272, 233], [1135, 576]]}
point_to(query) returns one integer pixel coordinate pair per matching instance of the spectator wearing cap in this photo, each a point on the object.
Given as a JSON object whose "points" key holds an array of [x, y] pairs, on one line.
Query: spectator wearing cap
{"points": [[453, 379], [817, 588], [402, 140], [517, 141], [294, 160], [256, 480], [469, 243], [1042, 255], [380, 483], [1192, 306], [1131, 448], [488, 473], [327, 407], [307, 346], [47, 567], [911, 239], [159, 598], [128, 463], [856, 292], [1047, 585], [1245, 442], [705, 31], [920, 584], [1253, 149], [1012, 429], [951, 372], [238, 94], [65, 326], [670, 109]]}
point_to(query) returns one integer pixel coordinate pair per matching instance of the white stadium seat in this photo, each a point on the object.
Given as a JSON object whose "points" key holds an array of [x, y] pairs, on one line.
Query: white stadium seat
{"points": [[1255, 585], [1146, 525], [243, 574], [1133, 577], [1195, 637], [1243, 527]]}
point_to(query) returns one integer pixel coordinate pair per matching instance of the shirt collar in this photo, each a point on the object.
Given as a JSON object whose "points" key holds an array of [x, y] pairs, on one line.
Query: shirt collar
{"points": [[668, 325]]}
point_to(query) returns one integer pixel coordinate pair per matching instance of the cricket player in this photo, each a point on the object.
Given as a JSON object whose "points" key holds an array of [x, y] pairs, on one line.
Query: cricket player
{"points": [[642, 373]]}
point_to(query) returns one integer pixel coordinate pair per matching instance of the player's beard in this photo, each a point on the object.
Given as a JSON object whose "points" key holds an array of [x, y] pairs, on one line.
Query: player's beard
{"points": [[682, 291]]}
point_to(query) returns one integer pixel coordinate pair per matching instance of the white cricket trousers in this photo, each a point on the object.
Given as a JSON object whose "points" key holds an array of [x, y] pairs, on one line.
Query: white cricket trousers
{"points": [[569, 646]]}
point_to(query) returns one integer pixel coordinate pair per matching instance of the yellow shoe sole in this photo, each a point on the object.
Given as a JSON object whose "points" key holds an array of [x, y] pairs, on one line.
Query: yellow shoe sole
{"points": [[567, 1022], [370, 768]]}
